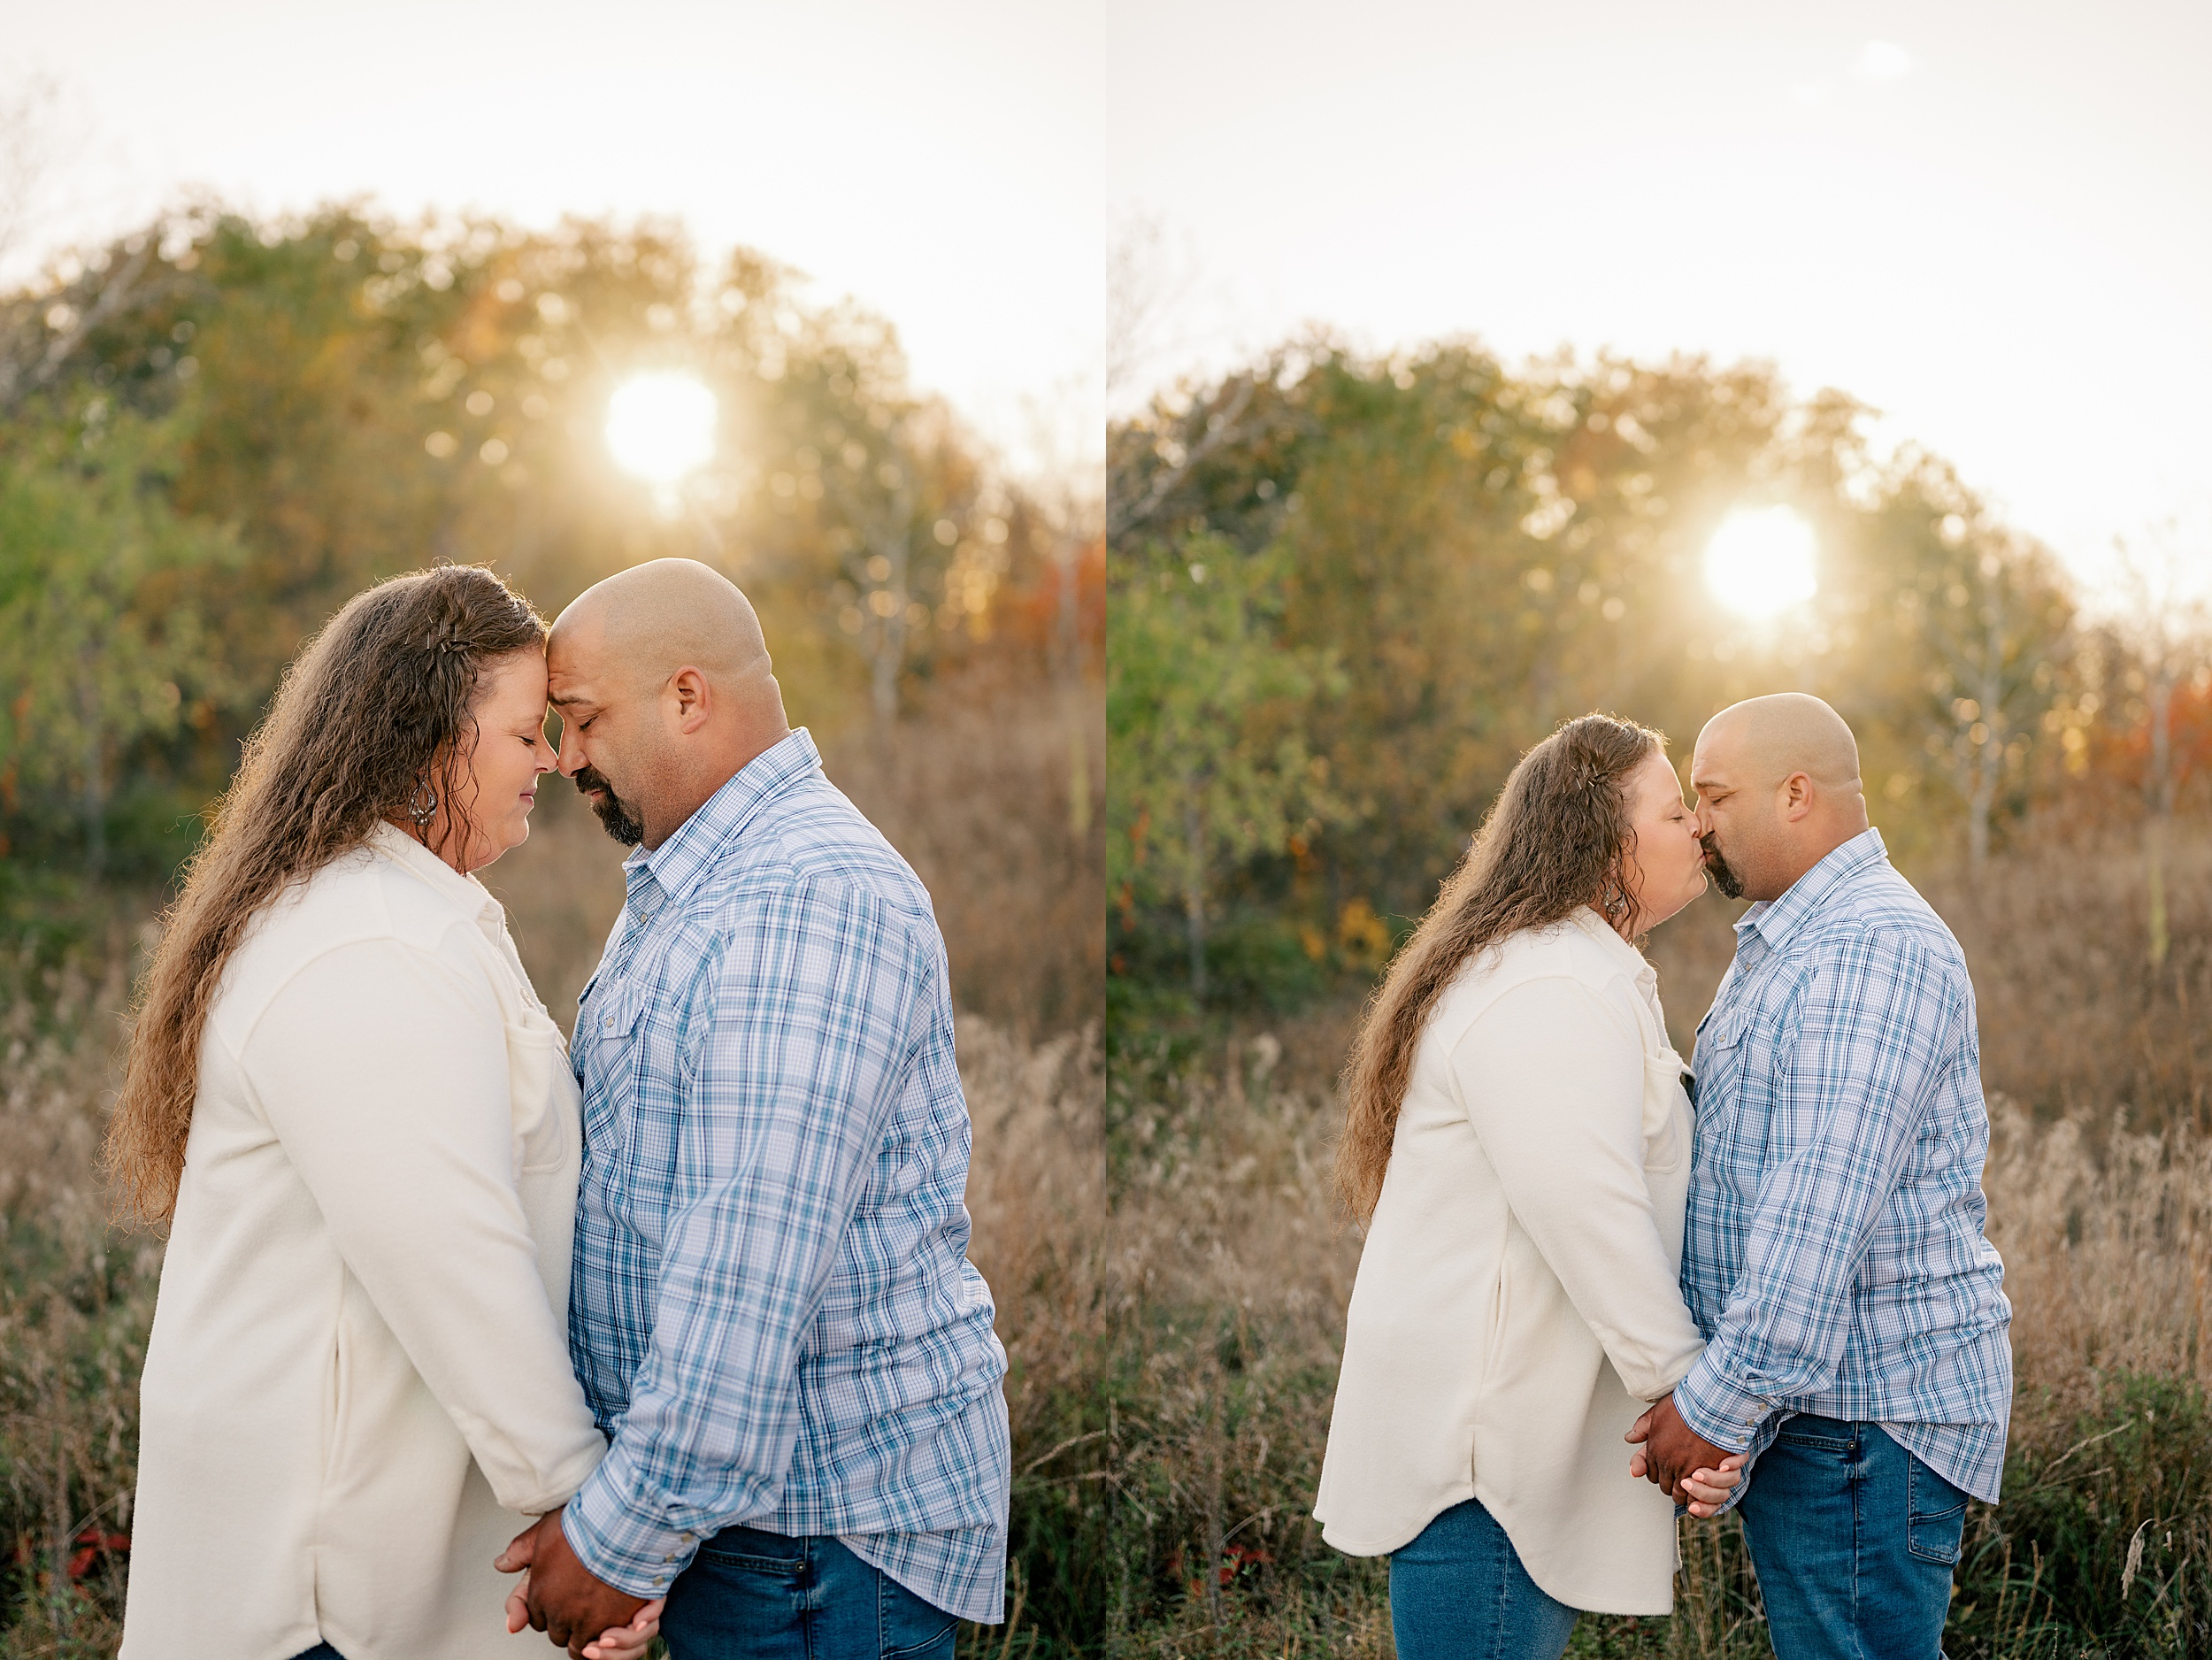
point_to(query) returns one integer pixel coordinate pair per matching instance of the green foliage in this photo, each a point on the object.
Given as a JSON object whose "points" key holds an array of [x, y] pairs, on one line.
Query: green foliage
{"points": [[2102, 1544], [1479, 554], [214, 431], [107, 649], [1205, 711]]}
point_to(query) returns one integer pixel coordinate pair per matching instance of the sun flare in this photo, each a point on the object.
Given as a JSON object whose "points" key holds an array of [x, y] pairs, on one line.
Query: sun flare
{"points": [[661, 427], [1760, 561]]}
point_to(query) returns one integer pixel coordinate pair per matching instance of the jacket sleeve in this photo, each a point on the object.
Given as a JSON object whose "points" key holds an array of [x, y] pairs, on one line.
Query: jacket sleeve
{"points": [[382, 1069], [1553, 1081]]}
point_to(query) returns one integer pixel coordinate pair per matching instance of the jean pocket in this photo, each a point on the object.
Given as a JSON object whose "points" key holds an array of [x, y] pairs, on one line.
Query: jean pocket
{"points": [[1935, 1514], [755, 1551], [1805, 1429], [913, 1628]]}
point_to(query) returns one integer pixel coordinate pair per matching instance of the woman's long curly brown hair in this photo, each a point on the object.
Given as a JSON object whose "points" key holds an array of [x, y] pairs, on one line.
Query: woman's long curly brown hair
{"points": [[1556, 838], [376, 707]]}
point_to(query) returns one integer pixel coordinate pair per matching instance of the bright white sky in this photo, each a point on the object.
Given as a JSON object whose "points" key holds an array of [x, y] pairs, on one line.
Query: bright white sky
{"points": [[942, 162], [1990, 219]]}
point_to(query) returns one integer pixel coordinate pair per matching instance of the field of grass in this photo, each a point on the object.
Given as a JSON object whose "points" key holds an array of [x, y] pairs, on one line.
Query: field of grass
{"points": [[975, 792], [1171, 1277], [1228, 1274], [76, 1300]]}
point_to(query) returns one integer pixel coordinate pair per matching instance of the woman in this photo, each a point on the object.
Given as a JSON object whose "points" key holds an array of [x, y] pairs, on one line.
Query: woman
{"points": [[359, 1121], [1517, 1141]]}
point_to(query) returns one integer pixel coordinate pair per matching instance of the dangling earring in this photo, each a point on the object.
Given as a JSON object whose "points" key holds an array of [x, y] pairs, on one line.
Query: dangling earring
{"points": [[1616, 901], [423, 807]]}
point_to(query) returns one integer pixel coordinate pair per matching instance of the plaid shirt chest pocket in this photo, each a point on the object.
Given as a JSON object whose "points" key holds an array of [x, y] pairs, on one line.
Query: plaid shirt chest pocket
{"points": [[609, 1055], [1718, 1062]]}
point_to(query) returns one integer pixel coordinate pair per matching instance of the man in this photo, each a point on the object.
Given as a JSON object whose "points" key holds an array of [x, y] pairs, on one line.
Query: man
{"points": [[773, 1316], [1834, 1257]]}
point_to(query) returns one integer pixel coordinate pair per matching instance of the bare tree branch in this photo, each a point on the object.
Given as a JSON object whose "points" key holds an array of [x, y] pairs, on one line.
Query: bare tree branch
{"points": [[1131, 501], [43, 331]]}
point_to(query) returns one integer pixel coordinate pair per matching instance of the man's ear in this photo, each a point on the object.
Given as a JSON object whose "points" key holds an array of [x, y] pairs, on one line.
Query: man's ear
{"points": [[1797, 797], [690, 699]]}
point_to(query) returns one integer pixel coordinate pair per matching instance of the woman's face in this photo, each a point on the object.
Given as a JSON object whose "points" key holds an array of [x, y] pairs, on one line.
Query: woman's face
{"points": [[1666, 860], [502, 769]]}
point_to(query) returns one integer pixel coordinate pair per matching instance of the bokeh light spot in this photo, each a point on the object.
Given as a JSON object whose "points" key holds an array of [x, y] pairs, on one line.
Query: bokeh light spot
{"points": [[1760, 561], [661, 426]]}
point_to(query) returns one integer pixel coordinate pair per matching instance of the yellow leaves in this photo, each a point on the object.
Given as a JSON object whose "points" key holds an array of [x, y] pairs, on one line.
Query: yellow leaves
{"points": [[1362, 936]]}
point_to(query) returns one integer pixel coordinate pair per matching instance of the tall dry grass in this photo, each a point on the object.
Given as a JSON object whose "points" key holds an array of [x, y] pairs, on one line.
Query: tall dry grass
{"points": [[2075, 1018], [76, 1299], [1229, 1273], [1218, 1312], [974, 790], [1171, 1280], [75, 1302]]}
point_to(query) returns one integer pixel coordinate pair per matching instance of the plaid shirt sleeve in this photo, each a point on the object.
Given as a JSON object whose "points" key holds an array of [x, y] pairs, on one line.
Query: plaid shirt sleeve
{"points": [[805, 1018], [1878, 1021]]}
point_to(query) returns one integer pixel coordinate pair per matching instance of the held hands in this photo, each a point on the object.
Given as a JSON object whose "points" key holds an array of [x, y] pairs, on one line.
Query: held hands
{"points": [[561, 1597], [1674, 1457]]}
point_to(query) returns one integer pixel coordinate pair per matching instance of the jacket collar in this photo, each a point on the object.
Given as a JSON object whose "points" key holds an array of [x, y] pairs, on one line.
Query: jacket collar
{"points": [[1630, 960], [464, 893]]}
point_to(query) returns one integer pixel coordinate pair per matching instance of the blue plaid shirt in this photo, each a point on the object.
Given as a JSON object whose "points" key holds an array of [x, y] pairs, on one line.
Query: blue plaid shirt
{"points": [[773, 1313], [1834, 1256]]}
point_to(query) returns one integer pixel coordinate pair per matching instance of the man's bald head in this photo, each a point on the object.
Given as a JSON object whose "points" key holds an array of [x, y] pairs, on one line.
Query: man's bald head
{"points": [[1785, 732], [656, 617], [1779, 790], [662, 678]]}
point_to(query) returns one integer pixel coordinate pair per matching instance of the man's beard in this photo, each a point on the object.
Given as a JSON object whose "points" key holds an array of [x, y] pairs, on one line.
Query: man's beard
{"points": [[1724, 878], [622, 822]]}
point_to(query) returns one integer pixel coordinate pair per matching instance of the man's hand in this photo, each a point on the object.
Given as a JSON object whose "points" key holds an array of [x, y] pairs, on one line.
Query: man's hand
{"points": [[1672, 1451], [562, 1598]]}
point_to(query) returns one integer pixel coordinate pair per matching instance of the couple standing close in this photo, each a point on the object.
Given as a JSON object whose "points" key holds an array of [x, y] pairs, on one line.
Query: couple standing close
{"points": [[1782, 1293], [693, 1293]]}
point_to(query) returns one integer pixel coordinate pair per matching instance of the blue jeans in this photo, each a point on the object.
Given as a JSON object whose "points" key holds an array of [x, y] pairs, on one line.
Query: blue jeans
{"points": [[753, 1595], [1459, 1592], [1853, 1539]]}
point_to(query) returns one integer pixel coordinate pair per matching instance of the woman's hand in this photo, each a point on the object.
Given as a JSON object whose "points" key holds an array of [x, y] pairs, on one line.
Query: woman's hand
{"points": [[617, 1642], [628, 1642], [1708, 1489]]}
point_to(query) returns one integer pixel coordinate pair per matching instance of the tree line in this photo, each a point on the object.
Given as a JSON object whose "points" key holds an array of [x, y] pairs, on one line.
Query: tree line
{"points": [[1347, 591], [214, 429]]}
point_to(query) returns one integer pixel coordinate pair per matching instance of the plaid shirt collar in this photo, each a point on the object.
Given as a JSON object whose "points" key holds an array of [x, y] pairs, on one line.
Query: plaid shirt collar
{"points": [[674, 866], [1775, 920]]}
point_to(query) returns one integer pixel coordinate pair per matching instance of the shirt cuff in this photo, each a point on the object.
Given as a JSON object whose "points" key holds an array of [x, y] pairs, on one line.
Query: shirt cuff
{"points": [[1717, 1408], [622, 1535]]}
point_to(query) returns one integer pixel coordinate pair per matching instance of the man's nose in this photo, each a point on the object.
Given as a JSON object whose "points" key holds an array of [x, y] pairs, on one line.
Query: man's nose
{"points": [[570, 754]]}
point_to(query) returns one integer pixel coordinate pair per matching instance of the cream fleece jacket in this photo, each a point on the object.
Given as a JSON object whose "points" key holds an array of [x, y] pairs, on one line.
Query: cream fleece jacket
{"points": [[1516, 1300], [357, 1387]]}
